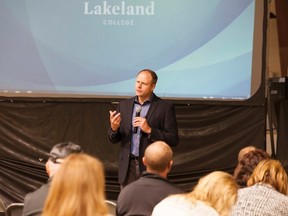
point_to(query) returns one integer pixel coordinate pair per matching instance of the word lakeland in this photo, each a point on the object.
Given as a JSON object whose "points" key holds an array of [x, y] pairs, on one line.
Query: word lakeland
{"points": [[120, 9]]}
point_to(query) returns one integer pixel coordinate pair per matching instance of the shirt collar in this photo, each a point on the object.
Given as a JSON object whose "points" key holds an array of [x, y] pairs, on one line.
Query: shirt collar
{"points": [[146, 102]]}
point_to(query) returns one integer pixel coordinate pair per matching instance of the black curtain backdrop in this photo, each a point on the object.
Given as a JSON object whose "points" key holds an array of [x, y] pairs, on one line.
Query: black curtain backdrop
{"points": [[211, 134], [281, 123]]}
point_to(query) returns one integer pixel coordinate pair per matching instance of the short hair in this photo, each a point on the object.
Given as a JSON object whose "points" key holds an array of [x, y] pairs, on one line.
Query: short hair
{"points": [[77, 188], [158, 156], [248, 163], [63, 150], [152, 73], [217, 189], [270, 172]]}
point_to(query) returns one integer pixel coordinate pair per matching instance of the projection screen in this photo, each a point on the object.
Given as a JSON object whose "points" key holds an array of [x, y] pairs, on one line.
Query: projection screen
{"points": [[200, 49]]}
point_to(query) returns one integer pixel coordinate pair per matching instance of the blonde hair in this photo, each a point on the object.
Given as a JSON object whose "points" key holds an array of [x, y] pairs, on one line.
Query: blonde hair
{"points": [[270, 172], [77, 188], [218, 190]]}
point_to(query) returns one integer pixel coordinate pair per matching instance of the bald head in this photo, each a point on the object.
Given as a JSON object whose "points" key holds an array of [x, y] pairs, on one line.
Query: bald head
{"points": [[244, 151], [158, 157]]}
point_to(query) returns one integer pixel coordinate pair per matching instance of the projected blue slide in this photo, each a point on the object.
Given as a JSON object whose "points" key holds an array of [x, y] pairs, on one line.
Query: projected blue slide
{"points": [[94, 48]]}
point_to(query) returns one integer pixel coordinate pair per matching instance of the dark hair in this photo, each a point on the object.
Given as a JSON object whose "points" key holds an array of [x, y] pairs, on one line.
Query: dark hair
{"points": [[153, 74], [247, 164], [62, 150]]}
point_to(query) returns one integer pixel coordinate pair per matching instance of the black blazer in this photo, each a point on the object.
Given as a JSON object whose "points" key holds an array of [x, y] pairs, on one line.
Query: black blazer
{"points": [[34, 202], [160, 117]]}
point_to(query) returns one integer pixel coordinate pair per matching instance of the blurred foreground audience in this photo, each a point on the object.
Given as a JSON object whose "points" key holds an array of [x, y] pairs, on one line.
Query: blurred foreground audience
{"points": [[266, 193], [78, 188], [140, 196], [213, 195], [34, 202]]}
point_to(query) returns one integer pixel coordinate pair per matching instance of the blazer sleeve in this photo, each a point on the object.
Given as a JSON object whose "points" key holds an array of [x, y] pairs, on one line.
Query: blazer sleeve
{"points": [[114, 137]]}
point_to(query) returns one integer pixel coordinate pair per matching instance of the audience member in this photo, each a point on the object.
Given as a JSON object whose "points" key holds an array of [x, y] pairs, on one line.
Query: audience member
{"points": [[77, 188], [140, 197], [34, 202], [266, 193], [247, 164], [241, 154], [214, 195]]}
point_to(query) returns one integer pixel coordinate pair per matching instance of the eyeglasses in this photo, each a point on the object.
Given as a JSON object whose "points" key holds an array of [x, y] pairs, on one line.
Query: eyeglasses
{"points": [[55, 160]]}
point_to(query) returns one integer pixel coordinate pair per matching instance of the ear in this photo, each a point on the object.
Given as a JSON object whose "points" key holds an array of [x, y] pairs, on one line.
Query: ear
{"points": [[47, 167], [52, 168], [170, 165], [144, 161]]}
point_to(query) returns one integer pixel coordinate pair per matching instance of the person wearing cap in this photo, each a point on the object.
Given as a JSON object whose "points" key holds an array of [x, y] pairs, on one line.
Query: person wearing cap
{"points": [[34, 201]]}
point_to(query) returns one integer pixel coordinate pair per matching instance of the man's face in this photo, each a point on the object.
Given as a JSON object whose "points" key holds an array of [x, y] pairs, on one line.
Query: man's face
{"points": [[143, 85], [53, 166]]}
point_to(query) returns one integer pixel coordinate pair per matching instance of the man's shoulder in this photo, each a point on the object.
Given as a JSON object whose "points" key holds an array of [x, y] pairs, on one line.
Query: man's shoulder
{"points": [[156, 180], [34, 201], [161, 101], [35, 194]]}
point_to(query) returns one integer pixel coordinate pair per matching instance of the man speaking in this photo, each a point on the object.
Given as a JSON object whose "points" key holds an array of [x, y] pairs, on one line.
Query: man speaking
{"points": [[139, 121]]}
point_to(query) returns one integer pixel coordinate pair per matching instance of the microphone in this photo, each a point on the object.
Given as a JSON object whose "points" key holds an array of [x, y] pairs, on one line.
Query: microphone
{"points": [[138, 110]]}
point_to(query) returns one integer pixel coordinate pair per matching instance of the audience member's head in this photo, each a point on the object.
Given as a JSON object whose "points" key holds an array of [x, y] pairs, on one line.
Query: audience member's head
{"points": [[247, 164], [158, 158], [245, 150], [218, 190], [270, 172], [58, 153], [77, 188]]}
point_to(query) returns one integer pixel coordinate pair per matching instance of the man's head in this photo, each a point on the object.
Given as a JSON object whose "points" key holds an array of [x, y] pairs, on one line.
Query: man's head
{"points": [[145, 83], [158, 158], [58, 153], [245, 150]]}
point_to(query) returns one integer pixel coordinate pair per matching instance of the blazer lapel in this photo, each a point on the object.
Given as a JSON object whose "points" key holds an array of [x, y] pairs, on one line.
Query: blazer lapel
{"points": [[129, 109], [153, 105]]}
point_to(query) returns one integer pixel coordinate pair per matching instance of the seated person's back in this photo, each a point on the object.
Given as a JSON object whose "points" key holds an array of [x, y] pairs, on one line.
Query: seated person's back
{"points": [[140, 197]]}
